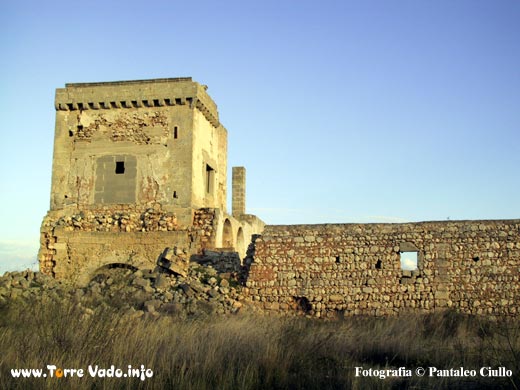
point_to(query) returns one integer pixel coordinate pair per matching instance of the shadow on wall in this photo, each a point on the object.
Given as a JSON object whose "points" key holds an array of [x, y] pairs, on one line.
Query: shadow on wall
{"points": [[221, 261], [240, 247], [111, 266], [227, 235], [248, 260]]}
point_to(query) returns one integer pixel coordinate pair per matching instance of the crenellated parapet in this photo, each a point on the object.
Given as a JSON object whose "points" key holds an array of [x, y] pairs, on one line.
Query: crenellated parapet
{"points": [[136, 94]]}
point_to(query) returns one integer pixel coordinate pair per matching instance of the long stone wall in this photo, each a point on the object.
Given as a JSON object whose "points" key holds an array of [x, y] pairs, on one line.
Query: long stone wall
{"points": [[331, 270]]}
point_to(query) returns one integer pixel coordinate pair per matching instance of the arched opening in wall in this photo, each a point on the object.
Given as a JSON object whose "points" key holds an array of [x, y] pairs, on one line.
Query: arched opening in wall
{"points": [[117, 272], [409, 261], [227, 235], [118, 265], [240, 243]]}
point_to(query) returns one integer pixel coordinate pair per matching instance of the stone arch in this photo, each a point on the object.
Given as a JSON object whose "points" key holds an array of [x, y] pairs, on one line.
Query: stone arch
{"points": [[116, 265], [240, 242], [91, 274], [112, 260], [227, 235]]}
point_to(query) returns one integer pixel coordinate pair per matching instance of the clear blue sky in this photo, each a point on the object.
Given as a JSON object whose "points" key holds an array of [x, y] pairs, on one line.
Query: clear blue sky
{"points": [[341, 111]]}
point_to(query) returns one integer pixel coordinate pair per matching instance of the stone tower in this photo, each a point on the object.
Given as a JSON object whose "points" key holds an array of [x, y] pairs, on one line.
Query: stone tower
{"points": [[138, 166]]}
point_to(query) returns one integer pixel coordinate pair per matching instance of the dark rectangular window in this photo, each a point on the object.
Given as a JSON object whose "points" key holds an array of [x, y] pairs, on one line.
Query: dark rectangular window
{"points": [[120, 167], [210, 172]]}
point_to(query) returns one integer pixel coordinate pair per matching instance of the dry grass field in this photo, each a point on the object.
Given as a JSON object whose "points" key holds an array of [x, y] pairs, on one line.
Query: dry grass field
{"points": [[250, 351]]}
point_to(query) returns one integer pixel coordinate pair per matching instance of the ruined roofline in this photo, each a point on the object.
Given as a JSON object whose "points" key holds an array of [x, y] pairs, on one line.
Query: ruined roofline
{"points": [[125, 82], [136, 94]]}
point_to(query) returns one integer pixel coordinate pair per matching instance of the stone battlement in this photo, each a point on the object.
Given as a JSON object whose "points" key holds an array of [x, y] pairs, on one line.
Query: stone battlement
{"points": [[136, 94], [126, 82]]}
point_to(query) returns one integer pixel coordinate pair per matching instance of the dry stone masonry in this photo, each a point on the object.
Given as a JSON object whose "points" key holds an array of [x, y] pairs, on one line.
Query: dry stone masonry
{"points": [[337, 270]]}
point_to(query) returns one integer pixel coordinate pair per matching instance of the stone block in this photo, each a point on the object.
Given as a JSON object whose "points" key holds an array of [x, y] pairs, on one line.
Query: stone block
{"points": [[336, 298]]}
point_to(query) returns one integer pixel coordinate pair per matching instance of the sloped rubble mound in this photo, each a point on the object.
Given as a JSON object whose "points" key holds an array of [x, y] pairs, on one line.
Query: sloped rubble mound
{"points": [[202, 292]]}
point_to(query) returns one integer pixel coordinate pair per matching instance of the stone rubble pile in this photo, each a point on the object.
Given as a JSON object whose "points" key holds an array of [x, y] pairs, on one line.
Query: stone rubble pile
{"points": [[153, 293]]}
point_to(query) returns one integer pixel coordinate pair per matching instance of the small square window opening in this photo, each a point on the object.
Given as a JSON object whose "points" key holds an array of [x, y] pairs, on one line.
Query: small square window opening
{"points": [[408, 261], [120, 167]]}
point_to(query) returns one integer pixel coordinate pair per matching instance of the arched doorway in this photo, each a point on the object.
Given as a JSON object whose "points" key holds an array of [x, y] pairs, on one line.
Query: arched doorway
{"points": [[115, 271], [227, 235], [240, 243]]}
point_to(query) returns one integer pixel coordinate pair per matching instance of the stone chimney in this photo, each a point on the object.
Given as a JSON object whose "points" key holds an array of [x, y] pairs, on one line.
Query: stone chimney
{"points": [[238, 201]]}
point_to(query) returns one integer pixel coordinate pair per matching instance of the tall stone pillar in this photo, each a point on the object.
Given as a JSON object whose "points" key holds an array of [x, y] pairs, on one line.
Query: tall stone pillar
{"points": [[238, 201]]}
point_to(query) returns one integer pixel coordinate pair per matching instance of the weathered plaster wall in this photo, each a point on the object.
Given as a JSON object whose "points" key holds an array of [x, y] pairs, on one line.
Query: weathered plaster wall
{"points": [[326, 270], [77, 243], [209, 148], [155, 122], [78, 255], [163, 163]]}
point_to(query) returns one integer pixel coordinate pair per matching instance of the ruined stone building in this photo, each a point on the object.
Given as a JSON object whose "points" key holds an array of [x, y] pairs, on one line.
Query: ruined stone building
{"points": [[139, 166]]}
